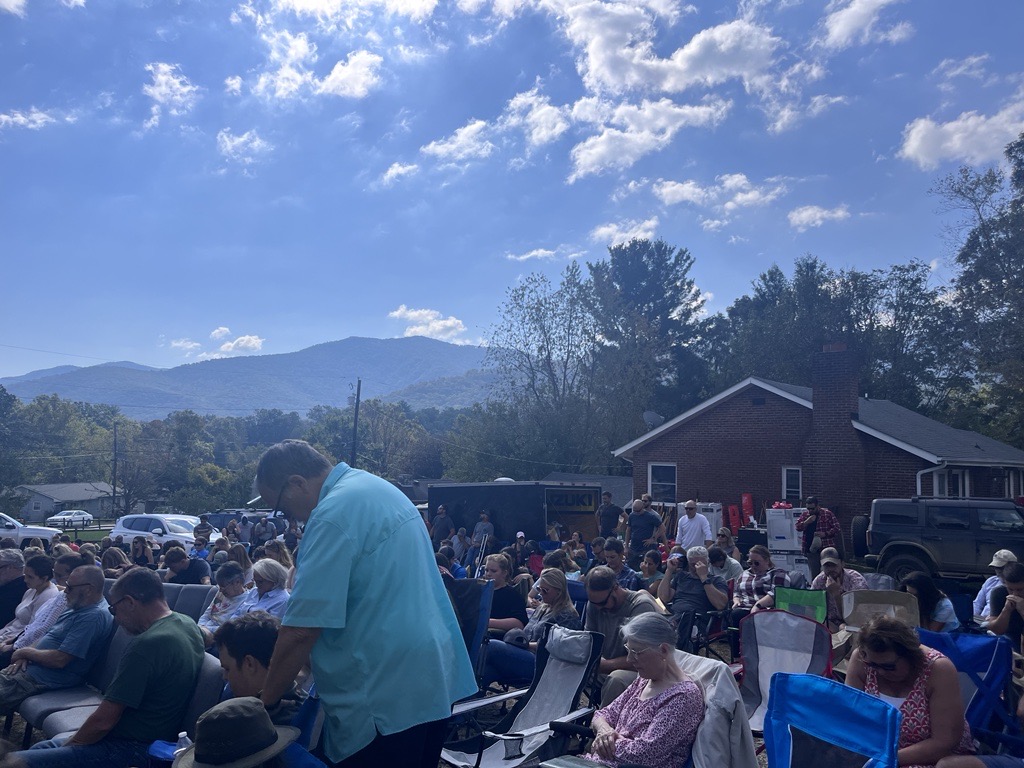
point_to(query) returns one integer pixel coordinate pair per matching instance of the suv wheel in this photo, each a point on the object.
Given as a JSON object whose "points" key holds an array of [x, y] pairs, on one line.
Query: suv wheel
{"points": [[859, 534], [901, 566]]}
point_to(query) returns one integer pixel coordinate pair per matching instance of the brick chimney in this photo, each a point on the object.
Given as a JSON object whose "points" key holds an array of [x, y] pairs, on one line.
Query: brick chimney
{"points": [[833, 456]]}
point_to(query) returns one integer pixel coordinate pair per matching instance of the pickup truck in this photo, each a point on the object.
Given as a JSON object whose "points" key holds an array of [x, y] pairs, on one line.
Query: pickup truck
{"points": [[942, 537], [22, 533]]}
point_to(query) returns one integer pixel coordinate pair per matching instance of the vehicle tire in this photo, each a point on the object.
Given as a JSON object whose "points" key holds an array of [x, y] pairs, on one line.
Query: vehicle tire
{"points": [[901, 566], [859, 534]]}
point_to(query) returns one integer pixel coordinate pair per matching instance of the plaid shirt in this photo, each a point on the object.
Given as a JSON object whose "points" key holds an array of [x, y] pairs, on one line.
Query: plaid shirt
{"points": [[827, 527], [750, 588]]}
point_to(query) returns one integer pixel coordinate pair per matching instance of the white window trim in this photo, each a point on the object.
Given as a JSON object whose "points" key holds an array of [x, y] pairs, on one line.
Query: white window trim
{"points": [[800, 495], [675, 470], [965, 479]]}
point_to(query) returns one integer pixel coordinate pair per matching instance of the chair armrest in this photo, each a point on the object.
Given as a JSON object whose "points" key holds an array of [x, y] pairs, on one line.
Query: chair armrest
{"points": [[579, 714], [471, 706]]}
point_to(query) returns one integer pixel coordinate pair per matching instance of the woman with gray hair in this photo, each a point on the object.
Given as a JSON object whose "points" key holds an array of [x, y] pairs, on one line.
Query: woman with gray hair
{"points": [[269, 594], [655, 720]]}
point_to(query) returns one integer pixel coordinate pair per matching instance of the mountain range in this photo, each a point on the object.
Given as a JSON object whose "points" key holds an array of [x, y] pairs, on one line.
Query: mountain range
{"points": [[423, 372]]}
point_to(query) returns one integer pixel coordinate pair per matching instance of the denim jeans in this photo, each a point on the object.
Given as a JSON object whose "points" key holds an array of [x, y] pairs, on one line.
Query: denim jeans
{"points": [[106, 753], [508, 664]]}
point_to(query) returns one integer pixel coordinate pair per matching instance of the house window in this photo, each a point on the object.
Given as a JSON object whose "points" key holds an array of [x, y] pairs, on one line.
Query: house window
{"points": [[36, 506], [661, 482], [950, 483], [792, 483]]}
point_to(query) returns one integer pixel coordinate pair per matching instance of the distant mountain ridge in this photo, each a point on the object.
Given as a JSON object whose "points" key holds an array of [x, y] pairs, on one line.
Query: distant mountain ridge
{"points": [[423, 372]]}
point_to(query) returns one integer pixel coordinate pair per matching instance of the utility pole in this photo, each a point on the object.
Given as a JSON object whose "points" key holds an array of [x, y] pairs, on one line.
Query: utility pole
{"points": [[113, 497], [355, 424]]}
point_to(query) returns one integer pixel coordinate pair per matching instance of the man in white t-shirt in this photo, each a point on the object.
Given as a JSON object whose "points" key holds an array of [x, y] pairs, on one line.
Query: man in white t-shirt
{"points": [[693, 530]]}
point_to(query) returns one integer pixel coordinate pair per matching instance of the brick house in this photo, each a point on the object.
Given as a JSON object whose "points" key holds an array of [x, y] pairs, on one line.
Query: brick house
{"points": [[780, 441]]}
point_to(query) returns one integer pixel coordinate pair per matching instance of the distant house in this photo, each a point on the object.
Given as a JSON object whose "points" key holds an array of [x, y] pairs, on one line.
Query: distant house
{"points": [[46, 500], [783, 442]]}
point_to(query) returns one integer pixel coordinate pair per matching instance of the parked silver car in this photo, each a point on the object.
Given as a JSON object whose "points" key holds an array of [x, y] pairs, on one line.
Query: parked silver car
{"points": [[159, 528], [71, 518]]}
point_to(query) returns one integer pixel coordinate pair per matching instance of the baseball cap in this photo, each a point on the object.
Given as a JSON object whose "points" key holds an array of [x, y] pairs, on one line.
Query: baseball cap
{"points": [[520, 535], [1002, 557], [831, 555]]}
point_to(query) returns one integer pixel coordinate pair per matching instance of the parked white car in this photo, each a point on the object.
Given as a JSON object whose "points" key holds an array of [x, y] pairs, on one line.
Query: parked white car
{"points": [[159, 528], [71, 518], [21, 533]]}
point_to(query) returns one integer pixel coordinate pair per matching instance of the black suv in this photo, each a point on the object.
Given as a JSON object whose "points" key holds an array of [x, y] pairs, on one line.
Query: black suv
{"points": [[943, 537]]}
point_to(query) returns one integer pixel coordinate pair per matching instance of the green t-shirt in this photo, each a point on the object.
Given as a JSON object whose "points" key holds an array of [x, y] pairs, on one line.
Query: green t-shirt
{"points": [[156, 678]]}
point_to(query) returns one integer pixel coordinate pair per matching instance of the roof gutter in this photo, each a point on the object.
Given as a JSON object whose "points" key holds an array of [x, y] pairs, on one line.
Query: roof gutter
{"points": [[927, 469]]}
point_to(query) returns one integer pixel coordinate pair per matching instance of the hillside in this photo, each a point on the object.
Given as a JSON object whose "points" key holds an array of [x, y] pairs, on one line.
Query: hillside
{"points": [[423, 371]]}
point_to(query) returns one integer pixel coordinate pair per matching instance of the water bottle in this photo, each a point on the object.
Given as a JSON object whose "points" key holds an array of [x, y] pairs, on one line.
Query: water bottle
{"points": [[184, 742]]}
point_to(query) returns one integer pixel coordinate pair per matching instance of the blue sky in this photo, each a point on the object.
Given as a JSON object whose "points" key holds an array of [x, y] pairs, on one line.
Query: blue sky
{"points": [[181, 180]]}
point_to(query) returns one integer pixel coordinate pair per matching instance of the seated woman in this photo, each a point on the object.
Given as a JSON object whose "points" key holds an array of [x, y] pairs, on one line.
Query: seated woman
{"points": [[38, 574], [725, 541], [142, 553], [654, 721], [561, 560], [650, 571], [754, 584], [229, 602], [937, 613], [889, 662], [114, 562], [269, 594], [237, 554], [508, 608], [513, 662]]}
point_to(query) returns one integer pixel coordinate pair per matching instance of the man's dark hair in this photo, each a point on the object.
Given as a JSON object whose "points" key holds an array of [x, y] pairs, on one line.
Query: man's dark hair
{"points": [[8, 543], [1013, 573], [598, 542], [65, 539], [73, 561], [443, 561], [141, 584], [41, 565], [606, 493], [600, 579], [287, 458], [447, 552], [614, 545], [716, 555], [253, 634], [175, 555]]}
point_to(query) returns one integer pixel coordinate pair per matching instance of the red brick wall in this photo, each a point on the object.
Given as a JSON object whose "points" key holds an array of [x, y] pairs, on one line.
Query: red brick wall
{"points": [[735, 447]]}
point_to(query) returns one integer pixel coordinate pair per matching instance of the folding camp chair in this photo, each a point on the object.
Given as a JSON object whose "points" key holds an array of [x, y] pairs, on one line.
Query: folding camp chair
{"points": [[471, 599], [566, 659], [860, 605], [777, 641], [859, 731], [578, 596], [810, 603], [984, 663], [879, 581]]}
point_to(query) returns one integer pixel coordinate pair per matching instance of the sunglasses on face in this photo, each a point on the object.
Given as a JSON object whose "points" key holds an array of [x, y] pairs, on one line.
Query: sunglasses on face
{"points": [[889, 666]]}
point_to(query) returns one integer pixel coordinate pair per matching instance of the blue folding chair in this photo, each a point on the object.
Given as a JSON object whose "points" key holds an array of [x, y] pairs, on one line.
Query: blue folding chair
{"points": [[860, 730], [985, 665]]}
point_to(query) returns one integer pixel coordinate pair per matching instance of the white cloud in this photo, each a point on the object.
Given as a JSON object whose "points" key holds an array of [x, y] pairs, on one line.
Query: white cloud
{"points": [[187, 346], [729, 193], [34, 119], [856, 22], [170, 91], [355, 77], [628, 132], [242, 344], [821, 103], [615, 233], [243, 149], [428, 322], [807, 216], [970, 137], [290, 58], [467, 143], [73, 3], [536, 253], [540, 121], [971, 67], [332, 13], [220, 333], [17, 7], [233, 85], [397, 171], [675, 192]]}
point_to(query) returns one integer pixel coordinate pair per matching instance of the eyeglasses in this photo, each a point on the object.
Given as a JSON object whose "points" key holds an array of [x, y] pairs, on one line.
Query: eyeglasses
{"points": [[889, 666], [602, 603], [277, 506], [635, 654], [113, 606], [69, 587], [690, 509]]}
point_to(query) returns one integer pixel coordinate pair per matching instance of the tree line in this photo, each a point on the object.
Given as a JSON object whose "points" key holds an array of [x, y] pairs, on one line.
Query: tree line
{"points": [[581, 359]]}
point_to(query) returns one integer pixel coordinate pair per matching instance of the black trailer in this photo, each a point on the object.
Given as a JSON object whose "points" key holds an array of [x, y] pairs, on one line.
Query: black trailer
{"points": [[529, 506]]}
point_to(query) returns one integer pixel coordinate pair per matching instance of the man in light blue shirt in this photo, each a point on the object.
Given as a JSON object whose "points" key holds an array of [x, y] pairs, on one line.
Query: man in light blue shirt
{"points": [[368, 610]]}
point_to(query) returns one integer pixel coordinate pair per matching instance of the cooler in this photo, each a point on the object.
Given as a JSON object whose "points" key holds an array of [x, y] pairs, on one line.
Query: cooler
{"points": [[713, 512], [782, 533], [793, 561]]}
